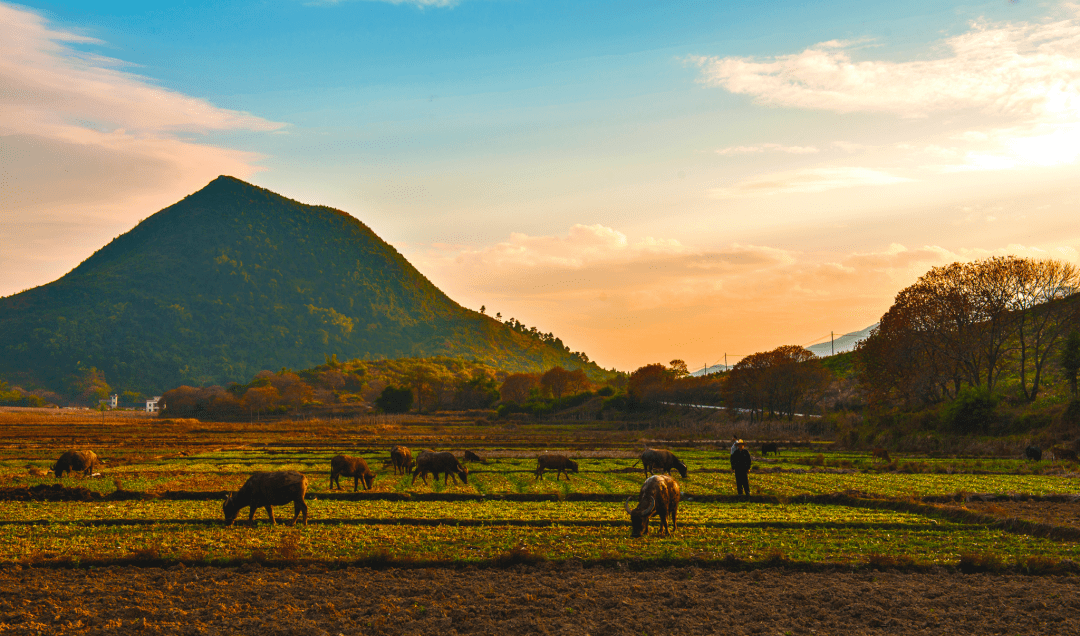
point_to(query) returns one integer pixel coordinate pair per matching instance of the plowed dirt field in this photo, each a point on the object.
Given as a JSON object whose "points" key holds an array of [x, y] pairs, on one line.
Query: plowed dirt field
{"points": [[533, 599]]}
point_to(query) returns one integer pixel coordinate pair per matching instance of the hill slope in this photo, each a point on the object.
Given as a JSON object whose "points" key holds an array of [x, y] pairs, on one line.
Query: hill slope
{"points": [[235, 279]]}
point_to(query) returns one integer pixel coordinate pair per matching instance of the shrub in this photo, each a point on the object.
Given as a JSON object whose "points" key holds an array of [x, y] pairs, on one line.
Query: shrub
{"points": [[973, 411], [394, 399]]}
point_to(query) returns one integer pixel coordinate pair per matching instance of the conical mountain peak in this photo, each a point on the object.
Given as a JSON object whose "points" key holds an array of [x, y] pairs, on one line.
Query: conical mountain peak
{"points": [[234, 279]]}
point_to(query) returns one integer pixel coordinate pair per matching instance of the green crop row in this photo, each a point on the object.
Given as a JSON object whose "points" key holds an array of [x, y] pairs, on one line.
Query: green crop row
{"points": [[475, 543], [689, 512]]}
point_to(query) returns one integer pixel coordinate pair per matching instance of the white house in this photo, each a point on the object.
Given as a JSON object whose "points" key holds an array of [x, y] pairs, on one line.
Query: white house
{"points": [[152, 404]]}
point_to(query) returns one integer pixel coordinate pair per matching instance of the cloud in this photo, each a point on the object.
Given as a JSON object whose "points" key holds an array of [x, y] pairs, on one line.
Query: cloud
{"points": [[631, 301], [808, 181], [1021, 68], [91, 147], [795, 150]]}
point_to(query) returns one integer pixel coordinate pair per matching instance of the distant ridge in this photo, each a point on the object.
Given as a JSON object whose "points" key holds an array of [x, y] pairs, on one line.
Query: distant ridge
{"points": [[235, 279], [842, 344]]}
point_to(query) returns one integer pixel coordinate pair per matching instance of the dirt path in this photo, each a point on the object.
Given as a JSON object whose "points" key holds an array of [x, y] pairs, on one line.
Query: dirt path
{"points": [[555, 599]]}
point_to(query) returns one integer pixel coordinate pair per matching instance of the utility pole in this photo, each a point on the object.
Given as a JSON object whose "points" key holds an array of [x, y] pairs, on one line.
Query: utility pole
{"points": [[832, 342], [725, 362]]}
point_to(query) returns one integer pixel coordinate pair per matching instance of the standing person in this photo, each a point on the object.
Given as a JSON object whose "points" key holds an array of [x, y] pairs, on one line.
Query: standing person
{"points": [[740, 464]]}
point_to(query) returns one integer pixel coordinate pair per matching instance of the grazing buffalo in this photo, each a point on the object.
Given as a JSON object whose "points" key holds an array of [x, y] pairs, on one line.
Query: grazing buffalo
{"points": [[435, 463], [655, 461], [880, 453], [76, 461], [402, 459], [355, 467], [264, 490], [659, 495], [470, 456], [770, 447], [1033, 453], [559, 463]]}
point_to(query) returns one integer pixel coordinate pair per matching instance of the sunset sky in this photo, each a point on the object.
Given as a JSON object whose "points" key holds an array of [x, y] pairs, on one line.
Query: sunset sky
{"points": [[646, 180]]}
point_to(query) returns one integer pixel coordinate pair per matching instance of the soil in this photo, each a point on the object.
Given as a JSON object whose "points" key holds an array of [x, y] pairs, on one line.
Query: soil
{"points": [[1048, 512], [529, 599]]}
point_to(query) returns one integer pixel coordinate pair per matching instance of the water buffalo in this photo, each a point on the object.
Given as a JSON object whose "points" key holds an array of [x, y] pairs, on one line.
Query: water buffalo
{"points": [[264, 490], [659, 495], [655, 461], [470, 456], [1033, 453], [559, 463], [770, 447], [402, 459], [880, 453], [76, 461], [435, 463], [355, 467]]}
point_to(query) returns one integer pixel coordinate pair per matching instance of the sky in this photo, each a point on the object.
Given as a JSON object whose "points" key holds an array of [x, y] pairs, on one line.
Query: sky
{"points": [[646, 180]]}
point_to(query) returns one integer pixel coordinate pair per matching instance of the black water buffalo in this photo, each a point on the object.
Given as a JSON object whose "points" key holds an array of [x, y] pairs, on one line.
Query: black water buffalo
{"points": [[655, 461], [770, 447], [264, 490], [76, 461], [659, 495], [402, 459], [435, 463], [1033, 453], [470, 456], [355, 467], [880, 453], [559, 463]]}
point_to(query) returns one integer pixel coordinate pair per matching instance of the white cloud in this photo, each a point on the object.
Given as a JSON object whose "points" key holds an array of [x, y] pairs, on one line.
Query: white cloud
{"points": [[808, 181], [1029, 69], [795, 150]]}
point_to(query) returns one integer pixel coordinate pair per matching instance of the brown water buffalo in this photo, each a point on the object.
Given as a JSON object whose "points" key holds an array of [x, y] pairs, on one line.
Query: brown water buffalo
{"points": [[770, 447], [880, 453], [659, 495], [355, 467], [559, 463], [470, 456], [265, 490], [76, 461], [435, 463], [402, 459], [655, 461]]}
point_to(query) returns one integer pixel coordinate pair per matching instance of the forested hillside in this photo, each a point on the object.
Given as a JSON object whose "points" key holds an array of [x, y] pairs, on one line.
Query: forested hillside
{"points": [[235, 279]]}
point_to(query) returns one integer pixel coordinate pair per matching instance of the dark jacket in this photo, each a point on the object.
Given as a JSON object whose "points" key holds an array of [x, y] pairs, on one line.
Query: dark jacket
{"points": [[740, 460]]}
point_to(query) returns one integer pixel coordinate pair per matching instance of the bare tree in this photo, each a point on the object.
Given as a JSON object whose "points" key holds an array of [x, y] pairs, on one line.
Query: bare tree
{"points": [[1043, 315]]}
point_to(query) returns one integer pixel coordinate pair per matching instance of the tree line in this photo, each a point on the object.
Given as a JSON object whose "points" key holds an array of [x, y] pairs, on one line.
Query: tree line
{"points": [[969, 327]]}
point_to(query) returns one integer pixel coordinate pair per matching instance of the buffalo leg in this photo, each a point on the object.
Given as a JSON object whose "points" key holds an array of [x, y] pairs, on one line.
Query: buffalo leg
{"points": [[251, 515], [355, 485], [270, 512], [299, 506]]}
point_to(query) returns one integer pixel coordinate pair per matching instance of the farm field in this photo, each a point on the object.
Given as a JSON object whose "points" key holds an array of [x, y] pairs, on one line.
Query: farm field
{"points": [[508, 551]]}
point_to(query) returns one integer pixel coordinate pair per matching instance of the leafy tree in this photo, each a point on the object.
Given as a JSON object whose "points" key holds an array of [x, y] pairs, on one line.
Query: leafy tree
{"points": [[678, 369], [777, 382], [518, 386], [395, 399], [559, 382], [478, 392], [646, 383]]}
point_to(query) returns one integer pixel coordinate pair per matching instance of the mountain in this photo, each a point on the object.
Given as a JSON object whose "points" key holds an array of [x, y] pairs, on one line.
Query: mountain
{"points": [[235, 279], [841, 344]]}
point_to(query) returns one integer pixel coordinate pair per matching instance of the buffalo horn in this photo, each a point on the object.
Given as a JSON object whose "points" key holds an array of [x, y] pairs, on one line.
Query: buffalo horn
{"points": [[652, 504], [626, 504]]}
